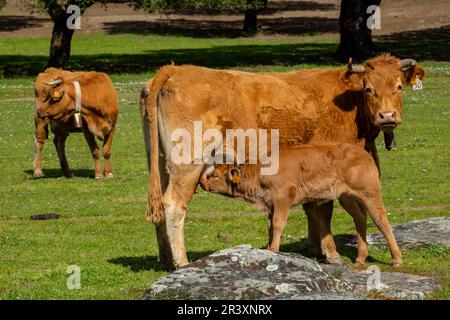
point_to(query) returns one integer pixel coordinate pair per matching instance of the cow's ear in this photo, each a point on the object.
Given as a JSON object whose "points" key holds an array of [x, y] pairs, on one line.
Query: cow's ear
{"points": [[353, 75], [410, 75], [352, 81]]}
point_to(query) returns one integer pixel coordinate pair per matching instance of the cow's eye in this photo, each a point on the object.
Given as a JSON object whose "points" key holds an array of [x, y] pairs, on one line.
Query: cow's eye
{"points": [[400, 87], [369, 90]]}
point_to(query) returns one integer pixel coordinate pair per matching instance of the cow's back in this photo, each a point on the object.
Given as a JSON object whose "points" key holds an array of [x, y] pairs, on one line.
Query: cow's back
{"points": [[233, 99]]}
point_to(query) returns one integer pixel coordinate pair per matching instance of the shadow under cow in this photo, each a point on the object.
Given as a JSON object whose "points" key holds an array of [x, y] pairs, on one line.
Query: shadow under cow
{"points": [[57, 173], [147, 263], [341, 241]]}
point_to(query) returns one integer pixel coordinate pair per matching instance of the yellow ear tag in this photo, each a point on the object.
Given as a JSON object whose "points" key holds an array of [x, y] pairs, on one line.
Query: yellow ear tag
{"points": [[235, 178], [57, 95], [417, 85]]}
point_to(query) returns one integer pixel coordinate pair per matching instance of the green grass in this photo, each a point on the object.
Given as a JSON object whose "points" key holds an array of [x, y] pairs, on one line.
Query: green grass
{"points": [[102, 228]]}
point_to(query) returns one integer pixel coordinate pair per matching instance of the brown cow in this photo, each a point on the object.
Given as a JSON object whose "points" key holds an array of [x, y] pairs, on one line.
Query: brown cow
{"points": [[308, 106], [312, 173], [55, 93]]}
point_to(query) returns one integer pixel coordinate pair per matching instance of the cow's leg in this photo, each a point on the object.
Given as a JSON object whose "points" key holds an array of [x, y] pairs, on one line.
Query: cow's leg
{"points": [[359, 215], [378, 213], [270, 228], [95, 152], [39, 141], [170, 232], [279, 219], [319, 228], [313, 230], [60, 144], [106, 150]]}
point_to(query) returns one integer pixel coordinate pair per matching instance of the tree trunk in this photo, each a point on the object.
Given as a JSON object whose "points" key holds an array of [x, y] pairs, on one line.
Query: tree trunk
{"points": [[61, 40], [356, 37], [251, 17]]}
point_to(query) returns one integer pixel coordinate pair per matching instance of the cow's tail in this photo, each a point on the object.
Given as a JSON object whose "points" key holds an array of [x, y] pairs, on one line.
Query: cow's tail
{"points": [[155, 211]]}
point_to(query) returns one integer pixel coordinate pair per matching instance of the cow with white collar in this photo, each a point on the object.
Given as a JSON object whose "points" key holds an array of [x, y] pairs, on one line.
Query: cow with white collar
{"points": [[75, 102]]}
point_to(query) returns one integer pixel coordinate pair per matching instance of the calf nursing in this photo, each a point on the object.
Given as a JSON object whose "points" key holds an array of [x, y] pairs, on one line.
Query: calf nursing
{"points": [[307, 174]]}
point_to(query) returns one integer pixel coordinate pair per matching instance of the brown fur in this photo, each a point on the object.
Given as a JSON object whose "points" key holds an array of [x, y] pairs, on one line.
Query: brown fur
{"points": [[99, 111], [307, 106], [310, 174]]}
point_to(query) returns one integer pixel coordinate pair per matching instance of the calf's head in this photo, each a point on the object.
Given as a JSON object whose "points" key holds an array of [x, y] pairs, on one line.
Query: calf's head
{"points": [[224, 179], [381, 81], [53, 95]]}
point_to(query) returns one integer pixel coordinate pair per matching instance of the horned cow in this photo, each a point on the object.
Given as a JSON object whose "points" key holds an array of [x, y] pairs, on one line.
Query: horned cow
{"points": [[307, 106], [75, 102]]}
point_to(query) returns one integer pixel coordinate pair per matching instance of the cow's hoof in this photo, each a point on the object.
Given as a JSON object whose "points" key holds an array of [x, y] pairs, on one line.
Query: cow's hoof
{"points": [[38, 175], [109, 175], [335, 260], [98, 176], [360, 262], [397, 264]]}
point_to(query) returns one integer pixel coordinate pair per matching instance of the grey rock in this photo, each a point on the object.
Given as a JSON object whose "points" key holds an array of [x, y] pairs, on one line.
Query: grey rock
{"points": [[390, 285], [245, 273], [242, 272], [417, 234]]}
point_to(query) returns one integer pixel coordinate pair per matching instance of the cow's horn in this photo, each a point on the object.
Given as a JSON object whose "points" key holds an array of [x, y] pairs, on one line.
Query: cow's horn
{"points": [[355, 68], [407, 63], [53, 83]]}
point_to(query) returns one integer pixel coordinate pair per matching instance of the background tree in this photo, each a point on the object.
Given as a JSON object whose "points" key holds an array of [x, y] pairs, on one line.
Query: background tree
{"points": [[251, 14], [61, 35], [355, 36], [251, 7]]}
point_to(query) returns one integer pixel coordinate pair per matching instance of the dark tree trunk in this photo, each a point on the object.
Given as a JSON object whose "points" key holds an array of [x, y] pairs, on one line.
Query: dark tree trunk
{"points": [[60, 43], [251, 17], [356, 37]]}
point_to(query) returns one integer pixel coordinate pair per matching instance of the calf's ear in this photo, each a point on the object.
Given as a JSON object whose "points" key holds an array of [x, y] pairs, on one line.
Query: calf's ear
{"points": [[410, 75]]}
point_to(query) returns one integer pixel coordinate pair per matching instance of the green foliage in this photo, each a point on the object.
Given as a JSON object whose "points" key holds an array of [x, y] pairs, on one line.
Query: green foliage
{"points": [[52, 6], [161, 5]]}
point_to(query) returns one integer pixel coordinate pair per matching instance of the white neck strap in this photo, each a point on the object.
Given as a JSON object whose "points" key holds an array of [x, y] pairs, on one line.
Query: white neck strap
{"points": [[77, 87]]}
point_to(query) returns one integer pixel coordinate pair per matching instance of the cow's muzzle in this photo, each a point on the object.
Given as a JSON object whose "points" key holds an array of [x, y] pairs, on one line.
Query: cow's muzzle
{"points": [[42, 115], [387, 121]]}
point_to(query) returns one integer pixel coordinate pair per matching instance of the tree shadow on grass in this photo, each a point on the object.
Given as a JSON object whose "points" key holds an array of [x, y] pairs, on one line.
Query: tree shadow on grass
{"points": [[56, 173], [426, 44], [215, 28], [430, 44], [13, 23], [147, 263], [216, 57]]}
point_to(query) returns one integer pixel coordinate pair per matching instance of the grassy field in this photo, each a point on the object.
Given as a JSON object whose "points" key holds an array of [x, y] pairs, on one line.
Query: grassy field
{"points": [[102, 229]]}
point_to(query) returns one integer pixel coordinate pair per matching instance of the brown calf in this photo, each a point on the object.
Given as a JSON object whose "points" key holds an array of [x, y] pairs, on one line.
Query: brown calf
{"points": [[313, 173]]}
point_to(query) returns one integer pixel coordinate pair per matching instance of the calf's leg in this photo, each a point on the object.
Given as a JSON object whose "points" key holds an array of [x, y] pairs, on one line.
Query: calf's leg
{"points": [[276, 225], [359, 215], [60, 144], [378, 213], [95, 152]]}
